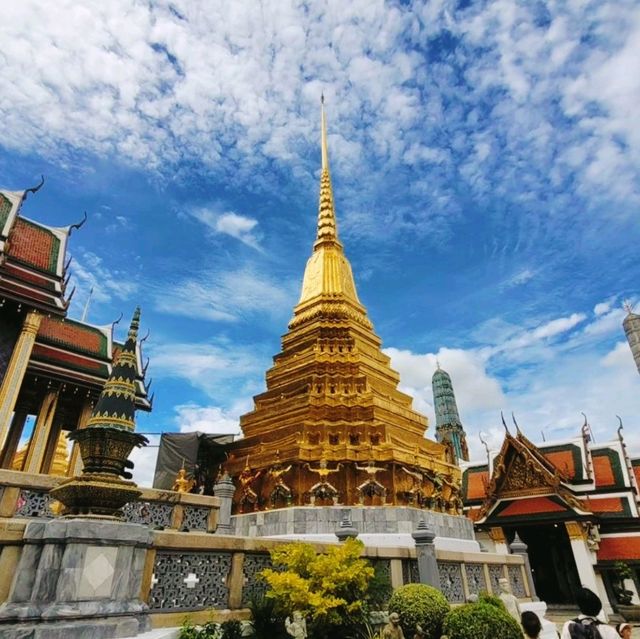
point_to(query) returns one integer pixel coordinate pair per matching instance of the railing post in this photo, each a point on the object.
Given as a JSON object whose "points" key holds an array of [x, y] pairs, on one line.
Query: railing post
{"points": [[346, 529], [426, 554], [224, 490], [518, 547]]}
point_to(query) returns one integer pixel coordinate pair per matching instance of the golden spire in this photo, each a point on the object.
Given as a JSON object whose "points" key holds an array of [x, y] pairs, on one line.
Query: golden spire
{"points": [[327, 228], [327, 277]]}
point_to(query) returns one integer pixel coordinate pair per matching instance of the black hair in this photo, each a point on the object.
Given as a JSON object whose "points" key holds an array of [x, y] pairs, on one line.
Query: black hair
{"points": [[530, 624], [588, 602]]}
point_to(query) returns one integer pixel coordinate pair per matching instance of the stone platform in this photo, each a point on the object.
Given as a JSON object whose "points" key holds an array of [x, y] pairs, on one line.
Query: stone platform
{"points": [[370, 520]]}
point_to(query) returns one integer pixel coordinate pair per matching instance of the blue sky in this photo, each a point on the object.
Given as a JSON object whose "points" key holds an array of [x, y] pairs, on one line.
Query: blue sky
{"points": [[484, 159]]}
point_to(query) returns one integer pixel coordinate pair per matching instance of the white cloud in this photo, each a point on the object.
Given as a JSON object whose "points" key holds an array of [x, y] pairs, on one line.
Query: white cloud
{"points": [[144, 461], [216, 368], [89, 273], [232, 89], [210, 419], [227, 296], [238, 226]]}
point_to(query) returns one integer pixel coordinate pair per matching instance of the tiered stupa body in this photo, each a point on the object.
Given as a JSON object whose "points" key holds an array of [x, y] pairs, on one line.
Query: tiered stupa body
{"points": [[449, 429], [631, 325], [332, 426]]}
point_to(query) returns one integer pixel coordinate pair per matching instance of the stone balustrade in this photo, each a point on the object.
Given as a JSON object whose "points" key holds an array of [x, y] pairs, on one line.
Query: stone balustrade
{"points": [[208, 576], [26, 495]]}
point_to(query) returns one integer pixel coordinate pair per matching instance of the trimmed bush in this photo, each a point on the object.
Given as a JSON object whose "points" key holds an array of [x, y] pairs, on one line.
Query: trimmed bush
{"points": [[420, 604], [492, 600], [481, 621]]}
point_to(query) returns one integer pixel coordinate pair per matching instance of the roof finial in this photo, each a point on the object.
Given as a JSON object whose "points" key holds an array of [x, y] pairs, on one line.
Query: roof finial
{"points": [[34, 189], [513, 417], [620, 430], [323, 134], [438, 364], [327, 229], [504, 423], [628, 306]]}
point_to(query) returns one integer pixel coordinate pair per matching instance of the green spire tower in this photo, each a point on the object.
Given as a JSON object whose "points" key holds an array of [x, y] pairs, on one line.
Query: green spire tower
{"points": [[449, 430], [631, 327]]}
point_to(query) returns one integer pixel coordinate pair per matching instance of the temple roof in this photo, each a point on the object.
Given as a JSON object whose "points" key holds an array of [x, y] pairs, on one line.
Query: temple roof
{"points": [[32, 257], [78, 352]]}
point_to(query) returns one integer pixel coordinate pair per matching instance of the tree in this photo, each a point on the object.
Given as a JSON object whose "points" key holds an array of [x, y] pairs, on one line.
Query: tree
{"points": [[330, 588]]}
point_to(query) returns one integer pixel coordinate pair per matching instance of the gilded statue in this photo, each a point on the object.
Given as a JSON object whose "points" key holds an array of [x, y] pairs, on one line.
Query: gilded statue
{"points": [[371, 487], [247, 495], [415, 493], [183, 484], [323, 489], [280, 490]]}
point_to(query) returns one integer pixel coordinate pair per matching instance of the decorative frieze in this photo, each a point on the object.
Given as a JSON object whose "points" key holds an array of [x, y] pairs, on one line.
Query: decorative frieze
{"points": [[451, 581]]}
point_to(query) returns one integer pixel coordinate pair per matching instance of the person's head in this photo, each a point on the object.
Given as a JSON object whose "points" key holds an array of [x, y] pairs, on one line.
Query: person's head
{"points": [[394, 618], [297, 615], [530, 624], [624, 630], [588, 602], [504, 584]]}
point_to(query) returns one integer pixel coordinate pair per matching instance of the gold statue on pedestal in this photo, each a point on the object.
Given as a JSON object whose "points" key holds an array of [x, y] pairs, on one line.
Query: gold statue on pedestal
{"points": [[332, 399], [183, 484]]}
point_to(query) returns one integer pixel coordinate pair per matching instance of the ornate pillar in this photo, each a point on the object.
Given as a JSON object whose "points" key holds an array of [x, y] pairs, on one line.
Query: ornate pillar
{"points": [[41, 431], [518, 547], [426, 554], [16, 369], [75, 461], [582, 555], [224, 489], [13, 439]]}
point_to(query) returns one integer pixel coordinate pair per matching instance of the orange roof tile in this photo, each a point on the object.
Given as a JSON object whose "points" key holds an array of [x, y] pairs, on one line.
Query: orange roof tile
{"points": [[34, 245], [607, 505], [476, 484], [532, 506], [563, 461], [636, 472], [619, 548], [474, 513], [603, 471]]}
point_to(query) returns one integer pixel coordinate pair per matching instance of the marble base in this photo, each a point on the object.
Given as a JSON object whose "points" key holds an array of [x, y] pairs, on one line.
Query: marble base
{"points": [[81, 629], [76, 574], [323, 520]]}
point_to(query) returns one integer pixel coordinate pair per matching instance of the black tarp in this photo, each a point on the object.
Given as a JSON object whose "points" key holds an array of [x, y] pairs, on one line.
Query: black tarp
{"points": [[200, 453]]}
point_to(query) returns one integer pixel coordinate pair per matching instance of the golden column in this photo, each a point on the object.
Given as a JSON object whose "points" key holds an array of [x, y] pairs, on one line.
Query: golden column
{"points": [[14, 375], [41, 432], [13, 439], [75, 461]]}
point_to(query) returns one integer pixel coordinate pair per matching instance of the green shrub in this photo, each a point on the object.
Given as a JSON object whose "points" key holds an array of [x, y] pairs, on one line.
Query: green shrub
{"points": [[492, 600], [420, 604], [231, 629], [379, 590], [209, 630], [481, 621], [266, 622]]}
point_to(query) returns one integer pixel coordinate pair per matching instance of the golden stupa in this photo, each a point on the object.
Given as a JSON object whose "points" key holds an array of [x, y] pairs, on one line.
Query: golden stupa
{"points": [[332, 426], [59, 463]]}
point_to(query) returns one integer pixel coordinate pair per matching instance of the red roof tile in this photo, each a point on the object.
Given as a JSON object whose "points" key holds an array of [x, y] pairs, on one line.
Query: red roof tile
{"points": [[532, 506], [34, 245], [61, 358], [74, 336], [619, 548]]}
